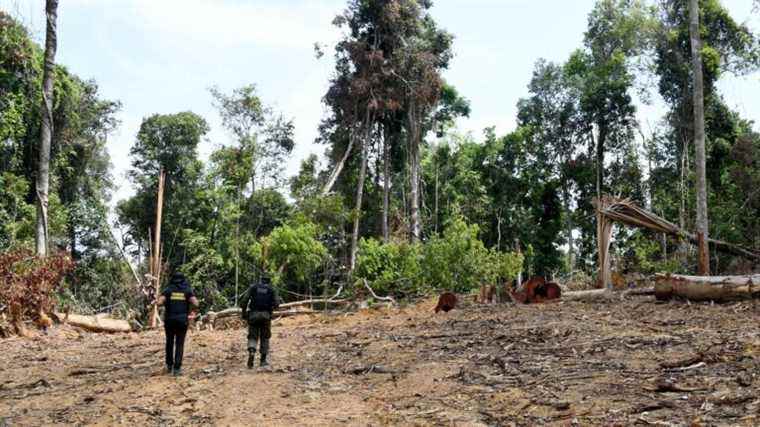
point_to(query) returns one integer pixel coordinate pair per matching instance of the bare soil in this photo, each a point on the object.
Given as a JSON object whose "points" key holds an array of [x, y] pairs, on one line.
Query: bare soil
{"points": [[633, 362]]}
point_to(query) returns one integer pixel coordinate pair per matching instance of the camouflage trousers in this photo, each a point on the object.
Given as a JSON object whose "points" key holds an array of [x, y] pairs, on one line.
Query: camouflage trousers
{"points": [[259, 330]]}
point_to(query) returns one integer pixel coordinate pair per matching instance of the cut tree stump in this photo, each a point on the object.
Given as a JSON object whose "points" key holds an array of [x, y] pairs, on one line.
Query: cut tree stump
{"points": [[706, 288], [95, 323]]}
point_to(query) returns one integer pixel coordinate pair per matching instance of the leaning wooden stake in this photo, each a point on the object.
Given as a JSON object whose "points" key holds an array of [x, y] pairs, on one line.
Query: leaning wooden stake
{"points": [[156, 261]]}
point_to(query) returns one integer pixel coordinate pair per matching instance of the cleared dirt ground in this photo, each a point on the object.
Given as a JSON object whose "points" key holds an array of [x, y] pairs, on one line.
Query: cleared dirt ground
{"points": [[622, 363]]}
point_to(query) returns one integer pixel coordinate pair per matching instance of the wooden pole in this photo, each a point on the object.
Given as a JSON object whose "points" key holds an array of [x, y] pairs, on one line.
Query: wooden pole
{"points": [[156, 264]]}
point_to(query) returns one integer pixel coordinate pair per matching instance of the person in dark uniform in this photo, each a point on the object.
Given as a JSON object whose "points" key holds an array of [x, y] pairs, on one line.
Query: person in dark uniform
{"points": [[176, 299], [257, 305]]}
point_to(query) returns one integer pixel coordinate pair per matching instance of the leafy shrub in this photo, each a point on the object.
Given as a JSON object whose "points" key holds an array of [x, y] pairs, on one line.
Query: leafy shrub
{"points": [[456, 261], [506, 265], [390, 268], [16, 216], [292, 254]]}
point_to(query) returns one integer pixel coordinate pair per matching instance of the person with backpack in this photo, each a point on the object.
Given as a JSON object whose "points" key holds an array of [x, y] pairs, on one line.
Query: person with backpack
{"points": [[257, 305], [176, 298]]}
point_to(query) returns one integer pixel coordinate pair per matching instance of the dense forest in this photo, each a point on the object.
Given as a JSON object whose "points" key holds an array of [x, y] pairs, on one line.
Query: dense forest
{"points": [[393, 195]]}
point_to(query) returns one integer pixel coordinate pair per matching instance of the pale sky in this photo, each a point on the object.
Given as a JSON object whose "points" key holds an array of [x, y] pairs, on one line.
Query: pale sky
{"points": [[160, 56]]}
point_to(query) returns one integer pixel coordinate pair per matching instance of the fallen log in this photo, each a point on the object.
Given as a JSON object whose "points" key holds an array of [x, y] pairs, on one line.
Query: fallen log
{"points": [[290, 313], [706, 288], [605, 294], [315, 301], [211, 317], [94, 323], [591, 295]]}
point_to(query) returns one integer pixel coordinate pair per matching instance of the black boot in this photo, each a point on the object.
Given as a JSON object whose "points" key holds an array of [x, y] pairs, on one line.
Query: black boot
{"points": [[251, 357], [264, 363]]}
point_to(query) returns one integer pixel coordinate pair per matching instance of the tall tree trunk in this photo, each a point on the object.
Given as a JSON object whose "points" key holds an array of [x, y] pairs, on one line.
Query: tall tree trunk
{"points": [[414, 173], [569, 226], [435, 215], [600, 141], [699, 137], [360, 194], [237, 247], [682, 251], [46, 131], [73, 239], [386, 181], [253, 170], [518, 250], [498, 230]]}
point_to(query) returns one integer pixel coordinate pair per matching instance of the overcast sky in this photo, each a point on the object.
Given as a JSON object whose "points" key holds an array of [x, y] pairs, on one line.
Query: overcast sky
{"points": [[160, 56]]}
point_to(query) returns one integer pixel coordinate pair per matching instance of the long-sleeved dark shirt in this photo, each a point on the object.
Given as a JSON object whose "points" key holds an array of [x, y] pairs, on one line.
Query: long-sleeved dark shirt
{"points": [[248, 299]]}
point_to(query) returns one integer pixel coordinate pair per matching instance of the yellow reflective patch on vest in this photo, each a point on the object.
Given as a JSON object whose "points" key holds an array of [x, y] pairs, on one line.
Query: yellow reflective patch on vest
{"points": [[177, 296]]}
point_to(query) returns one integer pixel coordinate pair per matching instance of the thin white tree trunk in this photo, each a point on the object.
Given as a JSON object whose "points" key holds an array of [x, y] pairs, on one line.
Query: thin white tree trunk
{"points": [[414, 173], [435, 215], [386, 182], [46, 130], [699, 136], [237, 248]]}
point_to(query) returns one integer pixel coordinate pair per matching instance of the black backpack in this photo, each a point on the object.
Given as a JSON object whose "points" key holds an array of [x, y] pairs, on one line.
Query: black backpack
{"points": [[262, 298]]}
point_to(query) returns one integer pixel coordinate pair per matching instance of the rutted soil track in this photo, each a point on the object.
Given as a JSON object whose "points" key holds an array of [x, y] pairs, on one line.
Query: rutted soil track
{"points": [[628, 362]]}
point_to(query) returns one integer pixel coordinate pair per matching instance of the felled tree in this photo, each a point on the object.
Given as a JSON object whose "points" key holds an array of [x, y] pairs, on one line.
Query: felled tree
{"points": [[28, 284]]}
